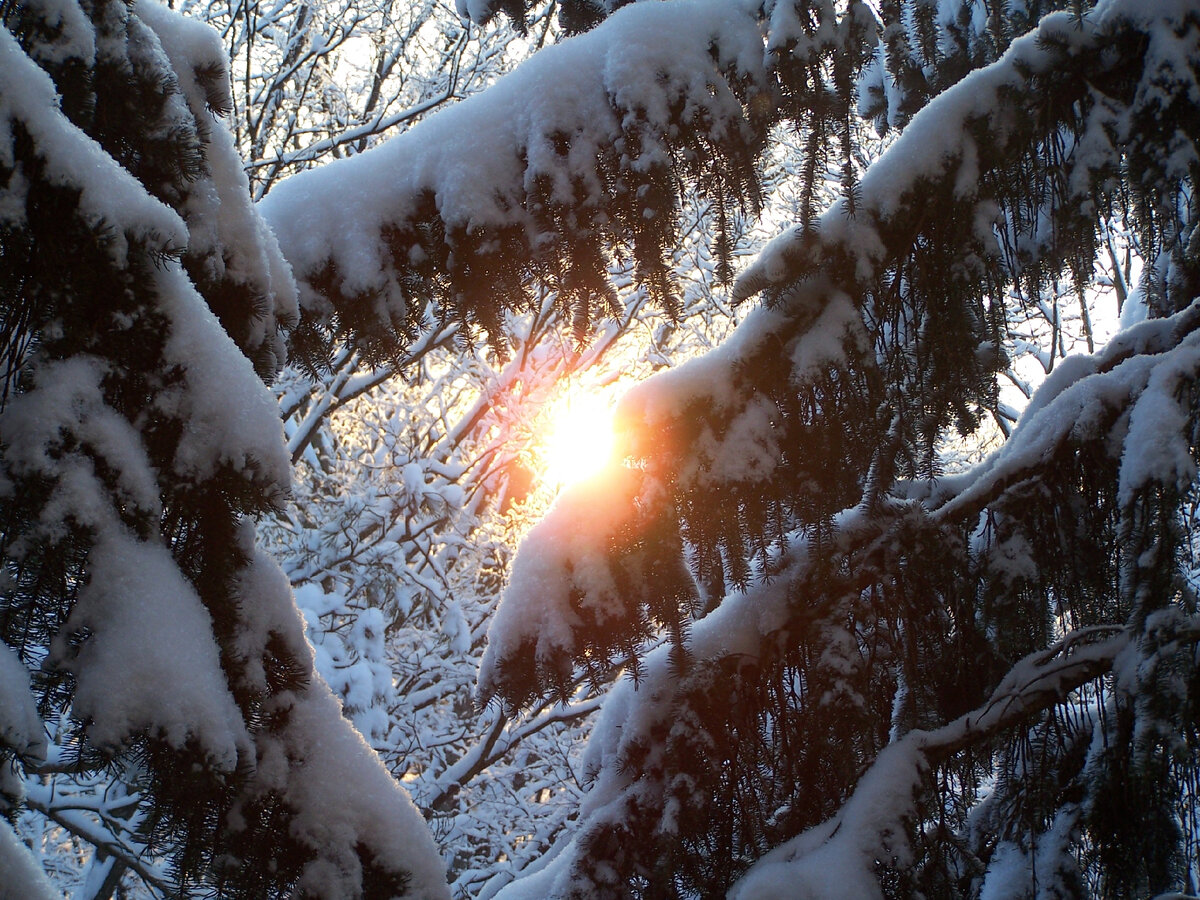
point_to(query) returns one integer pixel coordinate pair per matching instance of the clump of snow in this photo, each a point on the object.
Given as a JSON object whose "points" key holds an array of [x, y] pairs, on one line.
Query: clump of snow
{"points": [[343, 797], [648, 415], [565, 557], [541, 128], [266, 612], [1158, 446], [146, 626], [20, 725], [231, 417], [69, 33], [67, 399], [1009, 873], [749, 451], [73, 158], [23, 878]]}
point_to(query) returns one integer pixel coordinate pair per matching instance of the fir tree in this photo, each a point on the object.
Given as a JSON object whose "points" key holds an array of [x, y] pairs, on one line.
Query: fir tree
{"points": [[141, 295], [875, 678], [912, 683]]}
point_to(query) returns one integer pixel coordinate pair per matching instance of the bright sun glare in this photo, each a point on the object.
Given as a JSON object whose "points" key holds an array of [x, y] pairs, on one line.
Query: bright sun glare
{"points": [[580, 442]]}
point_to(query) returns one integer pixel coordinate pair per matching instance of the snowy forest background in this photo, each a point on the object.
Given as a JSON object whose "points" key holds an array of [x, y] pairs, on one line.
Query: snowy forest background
{"points": [[888, 591]]}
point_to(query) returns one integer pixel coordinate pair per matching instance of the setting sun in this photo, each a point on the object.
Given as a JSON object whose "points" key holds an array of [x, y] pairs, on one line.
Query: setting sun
{"points": [[580, 441]]}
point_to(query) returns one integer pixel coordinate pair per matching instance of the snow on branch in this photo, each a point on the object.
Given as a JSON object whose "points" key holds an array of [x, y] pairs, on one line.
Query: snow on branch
{"points": [[884, 321], [869, 830], [20, 725], [137, 445], [30, 102], [797, 464], [1130, 394], [230, 249], [577, 151], [23, 876]]}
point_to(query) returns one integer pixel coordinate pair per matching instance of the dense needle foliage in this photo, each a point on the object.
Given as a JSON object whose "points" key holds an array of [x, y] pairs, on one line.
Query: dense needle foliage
{"points": [[1026, 628], [851, 671]]}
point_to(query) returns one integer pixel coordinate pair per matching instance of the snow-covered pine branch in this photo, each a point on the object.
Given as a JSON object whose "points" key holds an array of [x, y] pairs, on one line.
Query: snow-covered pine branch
{"points": [[797, 469], [848, 294], [872, 823], [821, 592], [579, 151], [142, 298]]}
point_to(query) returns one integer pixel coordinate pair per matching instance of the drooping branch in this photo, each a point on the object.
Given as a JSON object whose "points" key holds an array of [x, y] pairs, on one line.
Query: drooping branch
{"points": [[872, 824], [871, 320], [550, 183]]}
